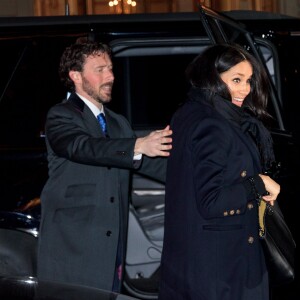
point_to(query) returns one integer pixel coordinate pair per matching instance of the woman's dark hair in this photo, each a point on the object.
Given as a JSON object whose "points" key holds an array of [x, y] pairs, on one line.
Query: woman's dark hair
{"points": [[205, 70], [74, 57]]}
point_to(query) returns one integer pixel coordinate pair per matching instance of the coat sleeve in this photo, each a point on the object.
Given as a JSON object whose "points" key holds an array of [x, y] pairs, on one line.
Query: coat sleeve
{"points": [[68, 137], [154, 168], [218, 191]]}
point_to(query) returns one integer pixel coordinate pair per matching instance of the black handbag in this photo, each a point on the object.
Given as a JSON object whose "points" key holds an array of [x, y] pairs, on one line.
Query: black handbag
{"points": [[278, 244]]}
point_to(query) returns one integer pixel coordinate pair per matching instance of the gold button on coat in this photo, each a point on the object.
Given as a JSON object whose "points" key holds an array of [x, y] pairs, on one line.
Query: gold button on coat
{"points": [[232, 212], [250, 239], [225, 213], [250, 206], [244, 173], [238, 212]]}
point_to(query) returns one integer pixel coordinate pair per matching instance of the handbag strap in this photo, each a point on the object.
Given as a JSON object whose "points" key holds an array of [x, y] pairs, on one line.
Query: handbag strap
{"points": [[262, 207]]}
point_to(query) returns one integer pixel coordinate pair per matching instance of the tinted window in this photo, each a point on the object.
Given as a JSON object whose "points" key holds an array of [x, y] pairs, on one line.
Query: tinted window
{"points": [[29, 85], [288, 49], [150, 87]]}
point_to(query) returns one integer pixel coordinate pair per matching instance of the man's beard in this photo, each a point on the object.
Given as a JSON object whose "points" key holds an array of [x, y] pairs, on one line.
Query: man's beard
{"points": [[96, 95]]}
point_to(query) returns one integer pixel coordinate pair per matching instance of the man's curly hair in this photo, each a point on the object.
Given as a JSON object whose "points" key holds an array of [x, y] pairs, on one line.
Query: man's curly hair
{"points": [[74, 57]]}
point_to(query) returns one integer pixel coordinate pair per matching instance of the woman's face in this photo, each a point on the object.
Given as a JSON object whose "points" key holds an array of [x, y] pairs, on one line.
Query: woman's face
{"points": [[238, 80]]}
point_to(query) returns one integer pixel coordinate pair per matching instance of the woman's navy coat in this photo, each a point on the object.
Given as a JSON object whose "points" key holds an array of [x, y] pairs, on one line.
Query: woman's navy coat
{"points": [[211, 245]]}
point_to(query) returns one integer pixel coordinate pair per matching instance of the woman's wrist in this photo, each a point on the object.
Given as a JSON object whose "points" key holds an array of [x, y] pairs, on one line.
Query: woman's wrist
{"points": [[255, 187]]}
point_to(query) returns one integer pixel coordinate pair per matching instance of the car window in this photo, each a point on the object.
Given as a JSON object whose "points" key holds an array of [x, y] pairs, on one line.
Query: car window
{"points": [[288, 52], [29, 85], [150, 82]]}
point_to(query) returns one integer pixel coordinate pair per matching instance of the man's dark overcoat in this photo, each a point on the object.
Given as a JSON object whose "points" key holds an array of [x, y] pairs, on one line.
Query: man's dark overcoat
{"points": [[85, 200], [211, 245]]}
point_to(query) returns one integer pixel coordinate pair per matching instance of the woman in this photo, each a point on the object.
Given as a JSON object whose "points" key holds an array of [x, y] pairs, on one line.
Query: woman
{"points": [[215, 174]]}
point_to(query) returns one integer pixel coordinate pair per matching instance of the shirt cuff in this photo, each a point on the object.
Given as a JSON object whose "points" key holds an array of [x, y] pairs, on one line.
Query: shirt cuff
{"points": [[137, 157]]}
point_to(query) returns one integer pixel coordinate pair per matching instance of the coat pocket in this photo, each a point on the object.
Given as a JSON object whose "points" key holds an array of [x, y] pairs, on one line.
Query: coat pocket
{"points": [[80, 190], [213, 227], [74, 214]]}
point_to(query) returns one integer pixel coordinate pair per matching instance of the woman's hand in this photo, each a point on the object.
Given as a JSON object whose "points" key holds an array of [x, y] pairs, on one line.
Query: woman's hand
{"points": [[272, 187]]}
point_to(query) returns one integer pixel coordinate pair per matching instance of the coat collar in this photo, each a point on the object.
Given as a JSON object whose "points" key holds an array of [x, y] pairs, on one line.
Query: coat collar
{"points": [[87, 115], [113, 127], [241, 118], [76, 102], [231, 114]]}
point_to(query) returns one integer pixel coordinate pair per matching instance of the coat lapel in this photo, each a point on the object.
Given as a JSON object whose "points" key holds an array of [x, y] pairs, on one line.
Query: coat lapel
{"points": [[113, 127], [87, 116]]}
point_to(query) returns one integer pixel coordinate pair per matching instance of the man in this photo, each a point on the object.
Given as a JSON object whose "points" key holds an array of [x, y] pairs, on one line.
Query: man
{"points": [[85, 200]]}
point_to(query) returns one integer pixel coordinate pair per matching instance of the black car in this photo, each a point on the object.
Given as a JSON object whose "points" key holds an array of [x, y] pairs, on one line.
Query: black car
{"points": [[150, 54]]}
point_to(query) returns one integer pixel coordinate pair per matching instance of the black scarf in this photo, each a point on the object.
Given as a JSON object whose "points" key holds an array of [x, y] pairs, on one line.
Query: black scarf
{"points": [[243, 118]]}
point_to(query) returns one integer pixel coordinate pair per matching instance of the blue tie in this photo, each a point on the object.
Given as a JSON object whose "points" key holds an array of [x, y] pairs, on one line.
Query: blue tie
{"points": [[102, 122]]}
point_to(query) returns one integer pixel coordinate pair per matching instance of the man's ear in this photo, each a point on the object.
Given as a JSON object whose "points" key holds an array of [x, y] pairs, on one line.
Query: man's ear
{"points": [[75, 76]]}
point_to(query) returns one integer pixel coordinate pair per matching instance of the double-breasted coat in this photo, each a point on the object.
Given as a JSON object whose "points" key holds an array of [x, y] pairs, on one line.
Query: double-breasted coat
{"points": [[211, 245], [85, 200]]}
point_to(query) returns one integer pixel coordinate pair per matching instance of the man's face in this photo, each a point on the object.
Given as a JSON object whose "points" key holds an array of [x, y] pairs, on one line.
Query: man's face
{"points": [[97, 78]]}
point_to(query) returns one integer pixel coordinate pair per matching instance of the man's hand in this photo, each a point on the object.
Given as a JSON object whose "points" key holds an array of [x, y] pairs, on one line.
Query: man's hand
{"points": [[157, 143]]}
